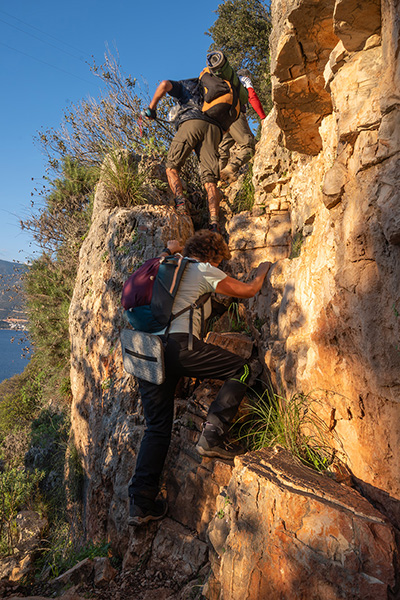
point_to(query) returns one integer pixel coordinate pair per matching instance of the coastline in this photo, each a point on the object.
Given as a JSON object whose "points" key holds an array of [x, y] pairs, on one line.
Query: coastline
{"points": [[14, 353]]}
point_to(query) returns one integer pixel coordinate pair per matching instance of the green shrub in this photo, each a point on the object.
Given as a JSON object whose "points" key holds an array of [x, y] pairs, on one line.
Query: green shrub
{"points": [[297, 242], [48, 444], [20, 405], [17, 488]]}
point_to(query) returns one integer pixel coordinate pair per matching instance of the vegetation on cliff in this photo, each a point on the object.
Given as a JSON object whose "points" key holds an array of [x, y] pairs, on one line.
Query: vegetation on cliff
{"points": [[35, 447], [34, 406]]}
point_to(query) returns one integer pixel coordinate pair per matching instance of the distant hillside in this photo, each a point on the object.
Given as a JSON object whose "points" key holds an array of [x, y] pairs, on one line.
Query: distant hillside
{"points": [[11, 300]]}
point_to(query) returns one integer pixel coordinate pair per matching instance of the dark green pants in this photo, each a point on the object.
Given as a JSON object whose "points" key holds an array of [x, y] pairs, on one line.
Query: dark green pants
{"points": [[239, 133], [204, 139]]}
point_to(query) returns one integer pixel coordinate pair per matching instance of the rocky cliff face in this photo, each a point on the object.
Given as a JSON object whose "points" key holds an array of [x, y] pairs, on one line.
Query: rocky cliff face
{"points": [[327, 213], [332, 313]]}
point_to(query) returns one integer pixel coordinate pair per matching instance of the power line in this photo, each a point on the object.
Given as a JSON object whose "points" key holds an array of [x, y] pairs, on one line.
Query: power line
{"points": [[45, 33], [41, 40], [45, 63]]}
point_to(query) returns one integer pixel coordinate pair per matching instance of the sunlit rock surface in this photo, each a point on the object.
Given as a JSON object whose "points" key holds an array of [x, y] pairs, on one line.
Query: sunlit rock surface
{"points": [[327, 214], [284, 531]]}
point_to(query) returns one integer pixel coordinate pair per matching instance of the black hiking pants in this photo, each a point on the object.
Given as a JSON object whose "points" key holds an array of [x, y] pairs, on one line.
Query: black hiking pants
{"points": [[205, 361]]}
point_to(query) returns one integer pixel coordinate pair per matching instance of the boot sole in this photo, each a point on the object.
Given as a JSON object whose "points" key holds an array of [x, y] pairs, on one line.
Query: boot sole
{"points": [[216, 453], [136, 521]]}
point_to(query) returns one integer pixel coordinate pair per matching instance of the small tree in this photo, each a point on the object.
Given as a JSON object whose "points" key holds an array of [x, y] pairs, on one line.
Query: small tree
{"points": [[242, 31], [97, 126]]}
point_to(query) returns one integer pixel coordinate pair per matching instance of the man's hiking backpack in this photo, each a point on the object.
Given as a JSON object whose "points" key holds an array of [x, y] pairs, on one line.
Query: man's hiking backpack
{"points": [[149, 293], [221, 99], [224, 95], [148, 296]]}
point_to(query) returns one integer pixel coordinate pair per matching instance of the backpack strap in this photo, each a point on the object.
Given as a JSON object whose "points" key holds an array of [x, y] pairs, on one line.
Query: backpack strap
{"points": [[200, 302]]}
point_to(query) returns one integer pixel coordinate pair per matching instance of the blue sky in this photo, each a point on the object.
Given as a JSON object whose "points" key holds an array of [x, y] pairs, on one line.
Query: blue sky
{"points": [[44, 47]]}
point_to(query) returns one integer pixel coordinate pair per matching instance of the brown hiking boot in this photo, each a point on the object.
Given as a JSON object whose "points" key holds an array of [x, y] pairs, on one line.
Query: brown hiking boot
{"points": [[180, 206], [213, 444], [228, 175], [215, 228]]}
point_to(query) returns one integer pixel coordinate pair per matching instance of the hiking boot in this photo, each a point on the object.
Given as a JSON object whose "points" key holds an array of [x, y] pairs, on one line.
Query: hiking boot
{"points": [[215, 228], [213, 445], [228, 175], [154, 511], [180, 206]]}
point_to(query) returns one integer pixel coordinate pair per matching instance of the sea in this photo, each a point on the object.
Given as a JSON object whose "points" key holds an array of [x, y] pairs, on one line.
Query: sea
{"points": [[12, 361]]}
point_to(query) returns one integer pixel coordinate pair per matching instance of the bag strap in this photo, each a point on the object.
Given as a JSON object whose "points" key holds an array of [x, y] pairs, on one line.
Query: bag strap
{"points": [[200, 302]]}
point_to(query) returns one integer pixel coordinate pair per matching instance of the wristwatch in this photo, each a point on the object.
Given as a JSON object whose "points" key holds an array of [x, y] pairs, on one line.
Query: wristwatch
{"points": [[168, 251]]}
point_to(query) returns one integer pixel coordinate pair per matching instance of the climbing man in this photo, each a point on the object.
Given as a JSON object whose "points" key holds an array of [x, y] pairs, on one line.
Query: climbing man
{"points": [[240, 134], [203, 361], [208, 105]]}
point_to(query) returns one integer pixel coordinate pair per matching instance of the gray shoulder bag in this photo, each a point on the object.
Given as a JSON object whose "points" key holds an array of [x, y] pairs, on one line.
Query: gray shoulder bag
{"points": [[143, 355]]}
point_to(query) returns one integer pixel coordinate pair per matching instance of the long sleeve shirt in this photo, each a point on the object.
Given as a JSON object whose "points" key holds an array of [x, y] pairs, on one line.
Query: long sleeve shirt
{"points": [[253, 98]]}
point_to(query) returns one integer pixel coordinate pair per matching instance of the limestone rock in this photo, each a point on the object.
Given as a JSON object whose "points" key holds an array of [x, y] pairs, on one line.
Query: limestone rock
{"points": [[355, 22], [238, 343], [31, 528], [283, 530], [359, 107], [104, 572], [193, 482], [330, 313], [96, 570], [82, 572], [333, 186], [390, 33], [302, 39], [106, 417], [176, 551], [249, 240], [389, 201]]}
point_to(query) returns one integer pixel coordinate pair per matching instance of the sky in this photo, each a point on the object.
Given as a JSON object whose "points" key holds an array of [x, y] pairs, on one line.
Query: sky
{"points": [[45, 48]]}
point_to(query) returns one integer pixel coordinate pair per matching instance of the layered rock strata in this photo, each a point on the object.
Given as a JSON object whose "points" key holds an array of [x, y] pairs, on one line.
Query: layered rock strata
{"points": [[284, 531], [331, 310]]}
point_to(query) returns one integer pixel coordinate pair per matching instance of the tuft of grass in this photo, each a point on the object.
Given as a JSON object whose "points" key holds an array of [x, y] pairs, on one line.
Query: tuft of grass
{"points": [[237, 323], [244, 199], [297, 242], [124, 184], [59, 553], [292, 423]]}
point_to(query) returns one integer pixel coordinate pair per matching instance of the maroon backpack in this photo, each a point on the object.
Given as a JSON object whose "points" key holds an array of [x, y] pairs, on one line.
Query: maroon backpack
{"points": [[138, 289], [148, 295]]}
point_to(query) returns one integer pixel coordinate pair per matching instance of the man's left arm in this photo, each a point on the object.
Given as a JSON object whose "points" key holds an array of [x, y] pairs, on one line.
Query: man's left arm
{"points": [[253, 98]]}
